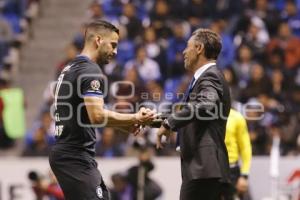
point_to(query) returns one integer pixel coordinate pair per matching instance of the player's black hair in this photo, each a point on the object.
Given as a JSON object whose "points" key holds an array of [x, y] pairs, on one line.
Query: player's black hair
{"points": [[98, 26]]}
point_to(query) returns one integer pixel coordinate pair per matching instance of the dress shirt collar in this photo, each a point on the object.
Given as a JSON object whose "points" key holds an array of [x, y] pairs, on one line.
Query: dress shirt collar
{"points": [[201, 70]]}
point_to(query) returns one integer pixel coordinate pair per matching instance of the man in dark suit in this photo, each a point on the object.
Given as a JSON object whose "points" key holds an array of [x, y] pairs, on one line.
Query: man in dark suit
{"points": [[201, 121]]}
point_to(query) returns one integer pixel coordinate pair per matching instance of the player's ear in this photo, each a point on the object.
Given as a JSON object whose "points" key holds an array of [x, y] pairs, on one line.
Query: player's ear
{"points": [[98, 40]]}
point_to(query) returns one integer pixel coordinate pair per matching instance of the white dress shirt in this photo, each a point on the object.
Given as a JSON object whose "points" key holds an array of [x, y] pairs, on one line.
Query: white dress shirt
{"points": [[201, 70]]}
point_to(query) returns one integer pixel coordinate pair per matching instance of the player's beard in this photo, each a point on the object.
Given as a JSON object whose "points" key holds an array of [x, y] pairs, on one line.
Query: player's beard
{"points": [[103, 58]]}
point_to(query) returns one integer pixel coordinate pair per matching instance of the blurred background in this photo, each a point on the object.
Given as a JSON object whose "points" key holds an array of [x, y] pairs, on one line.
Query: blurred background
{"points": [[260, 59]]}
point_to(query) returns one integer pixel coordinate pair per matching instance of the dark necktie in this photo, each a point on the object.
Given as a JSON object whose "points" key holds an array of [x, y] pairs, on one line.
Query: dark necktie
{"points": [[185, 98], [188, 91]]}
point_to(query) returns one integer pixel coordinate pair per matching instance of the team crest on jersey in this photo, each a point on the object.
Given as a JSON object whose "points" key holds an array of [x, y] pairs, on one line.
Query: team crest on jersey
{"points": [[99, 192], [95, 85]]}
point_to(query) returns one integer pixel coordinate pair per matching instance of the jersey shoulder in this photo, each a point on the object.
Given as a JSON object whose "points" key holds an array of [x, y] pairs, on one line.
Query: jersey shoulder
{"points": [[236, 116], [81, 68]]}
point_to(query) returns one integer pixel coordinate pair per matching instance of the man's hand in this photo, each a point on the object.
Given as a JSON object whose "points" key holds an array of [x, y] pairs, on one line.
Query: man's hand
{"points": [[162, 131], [242, 185], [145, 116], [132, 129]]}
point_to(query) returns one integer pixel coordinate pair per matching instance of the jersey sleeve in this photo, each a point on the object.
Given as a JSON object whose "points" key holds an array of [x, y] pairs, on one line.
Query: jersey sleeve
{"points": [[244, 144], [91, 82]]}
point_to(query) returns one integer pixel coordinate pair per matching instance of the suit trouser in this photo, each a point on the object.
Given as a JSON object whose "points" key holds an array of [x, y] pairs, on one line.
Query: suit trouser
{"points": [[201, 189]]}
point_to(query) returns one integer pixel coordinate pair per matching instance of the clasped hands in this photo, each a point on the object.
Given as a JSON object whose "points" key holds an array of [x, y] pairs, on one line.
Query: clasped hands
{"points": [[146, 117]]}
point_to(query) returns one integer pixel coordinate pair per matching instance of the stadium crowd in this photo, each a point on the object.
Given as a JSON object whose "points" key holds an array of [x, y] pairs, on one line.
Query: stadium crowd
{"points": [[16, 17], [260, 59]]}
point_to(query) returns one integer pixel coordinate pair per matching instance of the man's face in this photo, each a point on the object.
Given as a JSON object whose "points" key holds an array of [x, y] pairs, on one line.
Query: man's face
{"points": [[190, 54], [107, 48]]}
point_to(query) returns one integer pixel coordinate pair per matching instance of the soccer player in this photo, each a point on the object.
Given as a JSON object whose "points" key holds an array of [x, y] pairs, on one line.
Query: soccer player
{"points": [[238, 144], [78, 104]]}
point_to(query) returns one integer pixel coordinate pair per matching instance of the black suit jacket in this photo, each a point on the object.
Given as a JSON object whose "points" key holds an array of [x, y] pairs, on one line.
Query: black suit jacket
{"points": [[201, 124]]}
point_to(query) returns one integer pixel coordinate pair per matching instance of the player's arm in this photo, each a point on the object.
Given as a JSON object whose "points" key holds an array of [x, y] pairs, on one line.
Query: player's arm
{"points": [[92, 87], [99, 115], [244, 146]]}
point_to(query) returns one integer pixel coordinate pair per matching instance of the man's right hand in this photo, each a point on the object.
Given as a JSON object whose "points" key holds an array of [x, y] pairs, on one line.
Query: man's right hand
{"points": [[145, 116], [242, 185]]}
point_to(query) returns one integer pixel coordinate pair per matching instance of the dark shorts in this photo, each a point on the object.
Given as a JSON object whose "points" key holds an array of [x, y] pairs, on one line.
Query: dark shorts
{"points": [[78, 176]]}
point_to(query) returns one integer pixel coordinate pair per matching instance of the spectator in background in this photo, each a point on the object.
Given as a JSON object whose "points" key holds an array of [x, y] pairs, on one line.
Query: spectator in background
{"points": [[227, 53], [70, 53], [13, 113], [147, 68], [45, 188], [13, 11], [131, 76], [257, 37], [275, 60], [177, 44], [295, 98], [160, 19], [267, 13], [114, 70], [232, 81], [95, 11], [78, 39], [288, 43], [243, 65], [139, 178], [225, 8], [258, 84], [108, 146], [155, 50], [5, 141], [292, 16], [258, 135], [279, 86], [197, 12], [125, 47], [121, 189], [132, 23], [177, 87], [288, 126], [112, 8], [41, 137], [6, 37]]}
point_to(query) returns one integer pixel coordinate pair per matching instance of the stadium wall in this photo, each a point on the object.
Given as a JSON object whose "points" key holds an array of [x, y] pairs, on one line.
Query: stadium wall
{"points": [[14, 184]]}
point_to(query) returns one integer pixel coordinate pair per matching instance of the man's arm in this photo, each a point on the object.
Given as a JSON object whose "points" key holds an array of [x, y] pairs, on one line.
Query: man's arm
{"points": [[204, 105], [98, 115], [244, 145]]}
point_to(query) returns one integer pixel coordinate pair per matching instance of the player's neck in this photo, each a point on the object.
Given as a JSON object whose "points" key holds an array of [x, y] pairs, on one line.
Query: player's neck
{"points": [[90, 54]]}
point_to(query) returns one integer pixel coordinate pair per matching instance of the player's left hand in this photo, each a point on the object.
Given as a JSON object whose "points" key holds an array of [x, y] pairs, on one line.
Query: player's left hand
{"points": [[132, 129], [138, 129], [242, 185], [162, 132]]}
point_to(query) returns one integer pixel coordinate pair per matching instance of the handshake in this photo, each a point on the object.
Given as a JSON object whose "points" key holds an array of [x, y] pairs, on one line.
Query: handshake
{"points": [[148, 117]]}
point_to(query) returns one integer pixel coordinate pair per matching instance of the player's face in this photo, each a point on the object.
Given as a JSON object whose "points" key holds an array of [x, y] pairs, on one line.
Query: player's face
{"points": [[107, 49], [190, 54]]}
